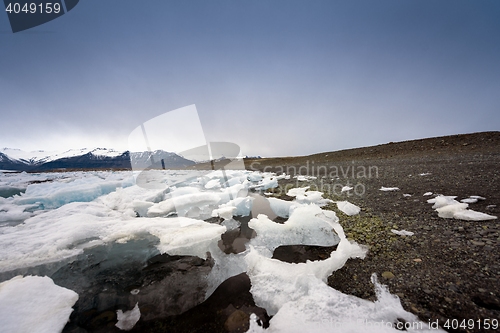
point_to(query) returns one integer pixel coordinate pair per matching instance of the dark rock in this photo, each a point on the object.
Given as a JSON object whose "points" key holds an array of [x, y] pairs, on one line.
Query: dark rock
{"points": [[487, 301], [302, 253], [117, 277]]}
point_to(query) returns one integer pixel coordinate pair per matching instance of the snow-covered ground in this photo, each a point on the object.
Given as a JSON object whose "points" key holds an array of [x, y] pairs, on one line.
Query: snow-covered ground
{"points": [[59, 215]]}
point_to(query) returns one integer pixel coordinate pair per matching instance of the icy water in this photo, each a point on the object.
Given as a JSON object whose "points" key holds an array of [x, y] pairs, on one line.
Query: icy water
{"points": [[163, 254]]}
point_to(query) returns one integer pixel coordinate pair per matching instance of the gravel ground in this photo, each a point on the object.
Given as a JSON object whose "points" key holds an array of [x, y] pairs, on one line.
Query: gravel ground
{"points": [[449, 269]]}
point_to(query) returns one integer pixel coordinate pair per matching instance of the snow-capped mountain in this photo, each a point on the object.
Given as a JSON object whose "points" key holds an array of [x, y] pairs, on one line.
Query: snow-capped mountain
{"points": [[85, 158], [40, 156]]}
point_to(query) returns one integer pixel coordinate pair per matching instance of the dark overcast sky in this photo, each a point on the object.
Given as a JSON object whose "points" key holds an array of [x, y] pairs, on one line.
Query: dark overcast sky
{"points": [[275, 77]]}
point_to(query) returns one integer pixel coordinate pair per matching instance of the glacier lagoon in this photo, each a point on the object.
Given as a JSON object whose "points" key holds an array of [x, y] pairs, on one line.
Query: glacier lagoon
{"points": [[159, 251]]}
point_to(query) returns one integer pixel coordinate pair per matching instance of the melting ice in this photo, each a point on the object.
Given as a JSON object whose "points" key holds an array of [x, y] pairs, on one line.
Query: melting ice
{"points": [[448, 207], [60, 215]]}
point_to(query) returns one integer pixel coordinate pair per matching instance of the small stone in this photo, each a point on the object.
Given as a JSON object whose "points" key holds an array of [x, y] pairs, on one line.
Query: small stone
{"points": [[183, 266], [238, 319], [417, 260], [481, 290], [447, 299], [388, 275], [477, 243], [461, 229]]}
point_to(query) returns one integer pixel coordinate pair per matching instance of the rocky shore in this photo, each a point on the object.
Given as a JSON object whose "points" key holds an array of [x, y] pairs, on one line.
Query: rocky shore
{"points": [[449, 269], [446, 272]]}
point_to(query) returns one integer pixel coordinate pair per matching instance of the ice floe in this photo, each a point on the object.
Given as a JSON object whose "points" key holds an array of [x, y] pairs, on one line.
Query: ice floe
{"points": [[402, 232], [302, 178], [263, 181], [321, 309], [182, 204], [348, 208], [304, 196], [280, 207], [242, 205], [387, 189], [448, 207], [307, 225], [128, 319], [473, 199], [65, 215], [58, 193], [64, 233], [34, 304], [346, 189]]}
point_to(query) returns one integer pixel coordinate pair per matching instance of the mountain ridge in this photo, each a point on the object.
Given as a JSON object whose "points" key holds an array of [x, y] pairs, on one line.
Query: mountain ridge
{"points": [[86, 159]]}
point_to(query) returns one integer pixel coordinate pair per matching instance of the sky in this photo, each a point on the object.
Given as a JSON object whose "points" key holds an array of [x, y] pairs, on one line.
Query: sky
{"points": [[276, 77]]}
